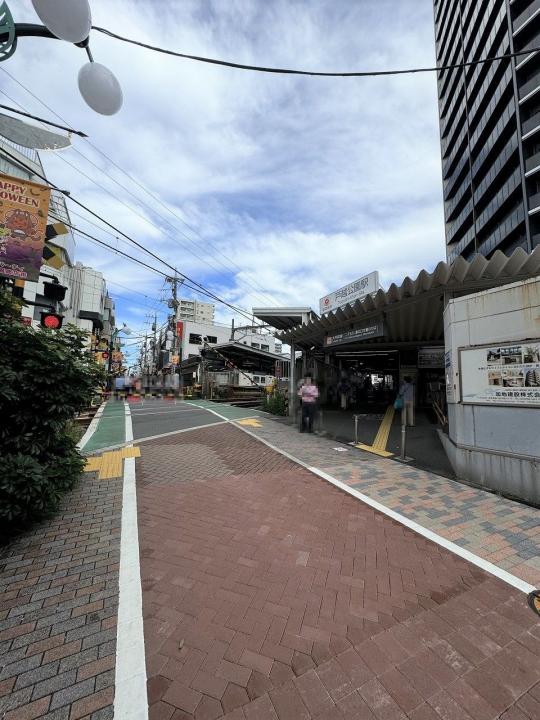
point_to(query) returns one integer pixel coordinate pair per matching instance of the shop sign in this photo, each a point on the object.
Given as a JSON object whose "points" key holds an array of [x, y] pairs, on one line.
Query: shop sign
{"points": [[431, 357], [367, 285], [365, 332], [23, 221], [449, 376], [501, 374]]}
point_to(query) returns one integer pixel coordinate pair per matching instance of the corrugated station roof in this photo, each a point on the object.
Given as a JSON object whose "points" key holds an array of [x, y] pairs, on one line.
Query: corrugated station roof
{"points": [[412, 311]]}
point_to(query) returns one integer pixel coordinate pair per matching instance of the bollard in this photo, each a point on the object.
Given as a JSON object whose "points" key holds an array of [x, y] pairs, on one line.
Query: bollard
{"points": [[355, 428]]}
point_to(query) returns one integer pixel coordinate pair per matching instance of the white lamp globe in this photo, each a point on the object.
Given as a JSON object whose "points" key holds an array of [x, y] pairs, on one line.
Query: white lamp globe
{"points": [[69, 20], [100, 88]]}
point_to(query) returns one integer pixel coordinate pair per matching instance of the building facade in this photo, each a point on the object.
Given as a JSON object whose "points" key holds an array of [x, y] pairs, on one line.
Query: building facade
{"points": [[192, 336], [490, 125], [86, 303], [196, 311]]}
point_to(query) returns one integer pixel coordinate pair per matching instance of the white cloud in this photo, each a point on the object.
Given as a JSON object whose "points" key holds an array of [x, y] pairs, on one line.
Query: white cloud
{"points": [[293, 185]]}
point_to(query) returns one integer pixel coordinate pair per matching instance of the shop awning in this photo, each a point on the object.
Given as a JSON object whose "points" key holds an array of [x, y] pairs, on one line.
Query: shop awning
{"points": [[413, 311]]}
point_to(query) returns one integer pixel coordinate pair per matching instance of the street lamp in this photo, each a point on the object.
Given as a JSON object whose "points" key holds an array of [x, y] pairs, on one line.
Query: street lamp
{"points": [[68, 20]]}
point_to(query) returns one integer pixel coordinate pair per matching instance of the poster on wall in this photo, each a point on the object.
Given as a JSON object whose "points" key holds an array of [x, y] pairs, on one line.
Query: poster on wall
{"points": [[501, 374], [23, 221]]}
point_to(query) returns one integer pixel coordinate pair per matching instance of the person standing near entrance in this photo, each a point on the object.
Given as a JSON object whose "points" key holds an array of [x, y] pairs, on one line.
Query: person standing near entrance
{"points": [[308, 393], [406, 393], [343, 390]]}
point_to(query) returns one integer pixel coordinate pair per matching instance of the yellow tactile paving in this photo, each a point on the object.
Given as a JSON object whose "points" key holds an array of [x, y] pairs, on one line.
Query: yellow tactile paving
{"points": [[381, 439], [109, 464], [250, 422]]}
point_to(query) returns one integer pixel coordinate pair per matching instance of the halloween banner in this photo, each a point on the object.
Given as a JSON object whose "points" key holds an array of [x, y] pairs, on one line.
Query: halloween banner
{"points": [[23, 220]]}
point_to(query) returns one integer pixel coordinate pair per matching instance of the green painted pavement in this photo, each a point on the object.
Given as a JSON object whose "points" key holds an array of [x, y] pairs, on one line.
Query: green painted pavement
{"points": [[111, 429]]}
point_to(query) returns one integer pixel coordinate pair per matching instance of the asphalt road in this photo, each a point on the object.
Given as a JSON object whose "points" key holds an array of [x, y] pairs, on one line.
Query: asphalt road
{"points": [[155, 416]]}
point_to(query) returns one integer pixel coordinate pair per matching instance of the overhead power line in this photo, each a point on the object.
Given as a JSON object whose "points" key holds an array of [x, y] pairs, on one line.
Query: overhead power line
{"points": [[42, 120], [313, 73], [154, 197], [161, 273], [199, 287]]}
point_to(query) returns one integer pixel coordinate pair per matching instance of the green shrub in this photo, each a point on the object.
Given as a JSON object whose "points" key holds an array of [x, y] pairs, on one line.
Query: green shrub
{"points": [[46, 377], [276, 403]]}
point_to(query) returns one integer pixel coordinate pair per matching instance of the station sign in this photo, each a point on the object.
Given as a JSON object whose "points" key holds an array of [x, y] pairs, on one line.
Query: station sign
{"points": [[361, 288], [365, 332]]}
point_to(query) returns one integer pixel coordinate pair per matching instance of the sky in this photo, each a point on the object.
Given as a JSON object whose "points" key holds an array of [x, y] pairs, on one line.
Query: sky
{"points": [[267, 189]]}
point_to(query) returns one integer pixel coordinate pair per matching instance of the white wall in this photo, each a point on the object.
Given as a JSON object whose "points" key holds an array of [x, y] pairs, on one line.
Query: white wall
{"points": [[496, 446], [223, 334]]}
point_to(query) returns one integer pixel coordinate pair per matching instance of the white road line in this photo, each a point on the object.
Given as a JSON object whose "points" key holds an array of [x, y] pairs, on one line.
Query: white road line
{"points": [[130, 701], [162, 412], [91, 429], [498, 572]]}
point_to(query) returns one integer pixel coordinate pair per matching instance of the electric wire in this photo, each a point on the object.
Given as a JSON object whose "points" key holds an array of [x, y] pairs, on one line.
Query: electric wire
{"points": [[140, 185], [42, 120], [199, 286], [188, 284], [313, 73]]}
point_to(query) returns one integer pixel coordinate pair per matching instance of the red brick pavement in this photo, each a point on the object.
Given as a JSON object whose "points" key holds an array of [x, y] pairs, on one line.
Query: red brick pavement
{"points": [[268, 593], [58, 608]]}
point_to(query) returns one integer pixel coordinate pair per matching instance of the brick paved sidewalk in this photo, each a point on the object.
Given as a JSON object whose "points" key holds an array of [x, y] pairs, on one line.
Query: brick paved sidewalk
{"points": [[58, 607], [502, 531], [269, 593]]}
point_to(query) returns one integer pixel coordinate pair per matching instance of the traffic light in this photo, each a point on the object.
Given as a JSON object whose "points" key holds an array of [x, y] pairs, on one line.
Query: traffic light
{"points": [[51, 320], [54, 291]]}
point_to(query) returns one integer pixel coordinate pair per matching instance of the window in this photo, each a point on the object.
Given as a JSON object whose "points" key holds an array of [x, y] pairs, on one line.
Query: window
{"points": [[211, 339], [256, 379], [195, 339], [255, 345], [265, 347], [263, 379]]}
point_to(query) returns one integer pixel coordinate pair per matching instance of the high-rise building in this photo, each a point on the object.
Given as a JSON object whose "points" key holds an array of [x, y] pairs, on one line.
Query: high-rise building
{"points": [[195, 310], [490, 124]]}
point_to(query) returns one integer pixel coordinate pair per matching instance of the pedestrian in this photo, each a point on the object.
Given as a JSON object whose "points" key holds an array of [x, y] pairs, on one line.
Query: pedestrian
{"points": [[308, 394], [406, 393]]}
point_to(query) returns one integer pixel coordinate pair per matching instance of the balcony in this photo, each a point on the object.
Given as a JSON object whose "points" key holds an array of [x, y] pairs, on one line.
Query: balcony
{"points": [[534, 203], [527, 126], [532, 163], [526, 16], [530, 87]]}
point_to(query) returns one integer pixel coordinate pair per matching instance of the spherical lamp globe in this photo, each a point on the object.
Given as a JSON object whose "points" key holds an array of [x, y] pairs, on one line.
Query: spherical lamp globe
{"points": [[100, 88], [69, 20]]}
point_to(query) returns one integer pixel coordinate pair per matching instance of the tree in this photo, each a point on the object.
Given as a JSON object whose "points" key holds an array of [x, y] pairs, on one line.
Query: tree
{"points": [[46, 377]]}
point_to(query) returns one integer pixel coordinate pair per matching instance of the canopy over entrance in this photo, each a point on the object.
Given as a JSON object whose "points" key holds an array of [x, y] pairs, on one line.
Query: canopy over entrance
{"points": [[411, 314], [284, 318]]}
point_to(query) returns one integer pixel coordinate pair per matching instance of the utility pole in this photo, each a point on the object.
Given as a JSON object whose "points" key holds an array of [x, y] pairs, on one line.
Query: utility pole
{"points": [[173, 304]]}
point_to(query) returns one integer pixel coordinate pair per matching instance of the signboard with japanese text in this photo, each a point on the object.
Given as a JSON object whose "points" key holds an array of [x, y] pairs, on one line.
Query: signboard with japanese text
{"points": [[371, 330], [431, 357], [367, 285], [23, 221], [506, 374]]}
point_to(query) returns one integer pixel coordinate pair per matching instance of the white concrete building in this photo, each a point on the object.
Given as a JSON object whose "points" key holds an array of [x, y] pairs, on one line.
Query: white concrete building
{"points": [[193, 334], [195, 310]]}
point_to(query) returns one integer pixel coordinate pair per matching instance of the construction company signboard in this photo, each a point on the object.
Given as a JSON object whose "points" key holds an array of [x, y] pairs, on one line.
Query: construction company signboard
{"points": [[367, 285], [23, 221], [365, 332], [501, 374], [431, 357]]}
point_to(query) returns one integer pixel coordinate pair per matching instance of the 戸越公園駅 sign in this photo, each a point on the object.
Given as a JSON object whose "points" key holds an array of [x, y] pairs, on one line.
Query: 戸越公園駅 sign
{"points": [[365, 332], [501, 375], [23, 221], [356, 290]]}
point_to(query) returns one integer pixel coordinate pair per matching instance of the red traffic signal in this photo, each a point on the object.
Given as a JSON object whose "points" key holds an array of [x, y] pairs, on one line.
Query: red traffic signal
{"points": [[105, 355], [52, 321]]}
